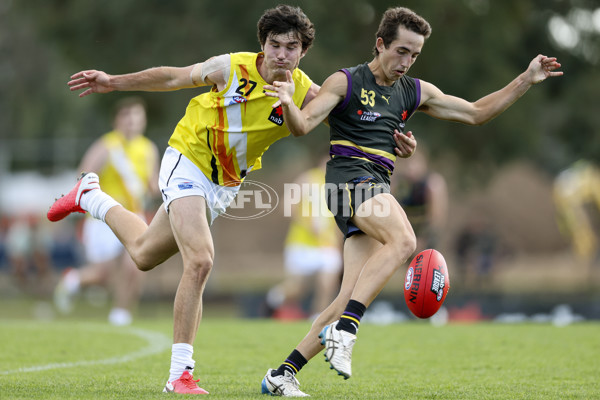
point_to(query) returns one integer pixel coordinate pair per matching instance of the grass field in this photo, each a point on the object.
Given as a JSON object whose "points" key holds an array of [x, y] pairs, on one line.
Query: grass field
{"points": [[84, 358]]}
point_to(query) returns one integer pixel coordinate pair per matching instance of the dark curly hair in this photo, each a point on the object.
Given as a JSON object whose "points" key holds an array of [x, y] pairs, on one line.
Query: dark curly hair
{"points": [[284, 19]]}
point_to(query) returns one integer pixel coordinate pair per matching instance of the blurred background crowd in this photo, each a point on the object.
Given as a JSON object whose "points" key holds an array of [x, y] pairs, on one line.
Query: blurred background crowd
{"points": [[513, 205]]}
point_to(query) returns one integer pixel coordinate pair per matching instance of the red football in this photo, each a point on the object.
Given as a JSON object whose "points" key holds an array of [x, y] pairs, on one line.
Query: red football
{"points": [[426, 284]]}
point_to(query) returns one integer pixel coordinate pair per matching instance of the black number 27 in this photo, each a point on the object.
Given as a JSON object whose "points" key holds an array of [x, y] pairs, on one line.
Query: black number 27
{"points": [[243, 84]]}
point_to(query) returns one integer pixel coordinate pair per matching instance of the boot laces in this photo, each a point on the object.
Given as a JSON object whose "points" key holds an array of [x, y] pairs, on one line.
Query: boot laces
{"points": [[189, 382]]}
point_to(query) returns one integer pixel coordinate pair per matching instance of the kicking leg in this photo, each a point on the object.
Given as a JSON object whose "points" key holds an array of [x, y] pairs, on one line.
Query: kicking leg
{"points": [[391, 229], [148, 245]]}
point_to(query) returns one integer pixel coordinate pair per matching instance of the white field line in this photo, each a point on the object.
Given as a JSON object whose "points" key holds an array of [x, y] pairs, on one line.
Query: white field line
{"points": [[155, 343]]}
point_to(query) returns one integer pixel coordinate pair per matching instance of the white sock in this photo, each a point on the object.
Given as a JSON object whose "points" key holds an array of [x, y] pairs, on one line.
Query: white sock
{"points": [[119, 317], [181, 359], [97, 203], [72, 281]]}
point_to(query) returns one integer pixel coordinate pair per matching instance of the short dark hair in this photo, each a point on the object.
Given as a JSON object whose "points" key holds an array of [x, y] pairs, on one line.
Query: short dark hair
{"points": [[393, 18], [284, 19]]}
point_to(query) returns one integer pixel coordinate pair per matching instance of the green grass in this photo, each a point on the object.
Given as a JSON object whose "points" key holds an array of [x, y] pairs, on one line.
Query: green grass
{"points": [[77, 358]]}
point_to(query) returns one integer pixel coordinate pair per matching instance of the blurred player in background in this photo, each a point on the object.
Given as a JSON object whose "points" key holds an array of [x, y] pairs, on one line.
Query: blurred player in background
{"points": [[577, 200], [28, 247], [423, 195], [127, 163], [312, 252], [362, 105]]}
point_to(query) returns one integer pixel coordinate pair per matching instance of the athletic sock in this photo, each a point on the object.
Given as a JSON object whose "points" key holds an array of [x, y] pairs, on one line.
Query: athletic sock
{"points": [[350, 319], [97, 203], [72, 281], [181, 360], [293, 363]]}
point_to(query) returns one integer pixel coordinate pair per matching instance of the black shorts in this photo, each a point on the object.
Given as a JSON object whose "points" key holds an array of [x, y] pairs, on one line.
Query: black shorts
{"points": [[349, 183]]}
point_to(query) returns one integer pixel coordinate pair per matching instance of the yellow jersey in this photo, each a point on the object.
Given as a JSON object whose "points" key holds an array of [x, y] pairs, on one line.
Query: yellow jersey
{"points": [[313, 224], [126, 175], [577, 200], [226, 132]]}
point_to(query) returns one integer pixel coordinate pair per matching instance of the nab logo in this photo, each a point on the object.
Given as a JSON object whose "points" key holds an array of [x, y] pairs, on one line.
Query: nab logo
{"points": [[276, 116]]}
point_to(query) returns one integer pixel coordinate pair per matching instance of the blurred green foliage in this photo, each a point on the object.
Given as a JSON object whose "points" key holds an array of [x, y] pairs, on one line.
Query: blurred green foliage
{"points": [[477, 46]]}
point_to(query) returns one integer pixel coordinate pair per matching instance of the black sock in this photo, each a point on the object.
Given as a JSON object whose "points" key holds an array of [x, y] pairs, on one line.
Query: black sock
{"points": [[350, 319], [293, 363]]}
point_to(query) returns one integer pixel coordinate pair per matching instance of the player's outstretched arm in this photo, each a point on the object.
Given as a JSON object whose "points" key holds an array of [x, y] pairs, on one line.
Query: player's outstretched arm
{"points": [[443, 106], [158, 79], [152, 80]]}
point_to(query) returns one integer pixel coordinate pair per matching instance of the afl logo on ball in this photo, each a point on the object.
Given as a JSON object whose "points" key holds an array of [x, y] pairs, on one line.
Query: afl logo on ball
{"points": [[408, 279]]}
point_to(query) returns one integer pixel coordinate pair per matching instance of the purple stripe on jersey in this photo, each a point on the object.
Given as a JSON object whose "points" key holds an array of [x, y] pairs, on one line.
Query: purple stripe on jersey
{"points": [[352, 314], [418, 87], [340, 107], [349, 151]]}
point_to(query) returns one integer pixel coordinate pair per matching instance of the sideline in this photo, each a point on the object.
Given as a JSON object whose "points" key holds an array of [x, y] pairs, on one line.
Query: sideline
{"points": [[156, 343]]}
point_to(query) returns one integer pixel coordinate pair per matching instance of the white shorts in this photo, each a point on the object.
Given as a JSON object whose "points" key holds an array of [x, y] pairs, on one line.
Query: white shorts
{"points": [[100, 242], [179, 177], [304, 260]]}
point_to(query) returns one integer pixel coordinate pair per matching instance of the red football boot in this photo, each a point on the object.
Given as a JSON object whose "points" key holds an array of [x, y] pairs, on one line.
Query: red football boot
{"points": [[184, 385], [70, 203]]}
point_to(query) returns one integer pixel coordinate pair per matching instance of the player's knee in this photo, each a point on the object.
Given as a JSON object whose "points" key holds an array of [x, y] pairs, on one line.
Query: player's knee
{"points": [[142, 255], [143, 262], [406, 246], [199, 264]]}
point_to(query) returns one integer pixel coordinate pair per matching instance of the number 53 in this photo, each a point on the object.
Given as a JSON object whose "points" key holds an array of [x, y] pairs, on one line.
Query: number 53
{"points": [[367, 98]]}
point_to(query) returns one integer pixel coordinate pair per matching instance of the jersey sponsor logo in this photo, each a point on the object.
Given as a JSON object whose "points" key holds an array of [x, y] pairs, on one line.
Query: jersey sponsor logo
{"points": [[387, 99], [276, 116], [369, 116], [235, 100]]}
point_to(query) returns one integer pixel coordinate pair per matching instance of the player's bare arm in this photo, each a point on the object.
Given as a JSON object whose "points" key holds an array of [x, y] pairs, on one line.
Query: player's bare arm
{"points": [[439, 105], [311, 94], [158, 79], [300, 122]]}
